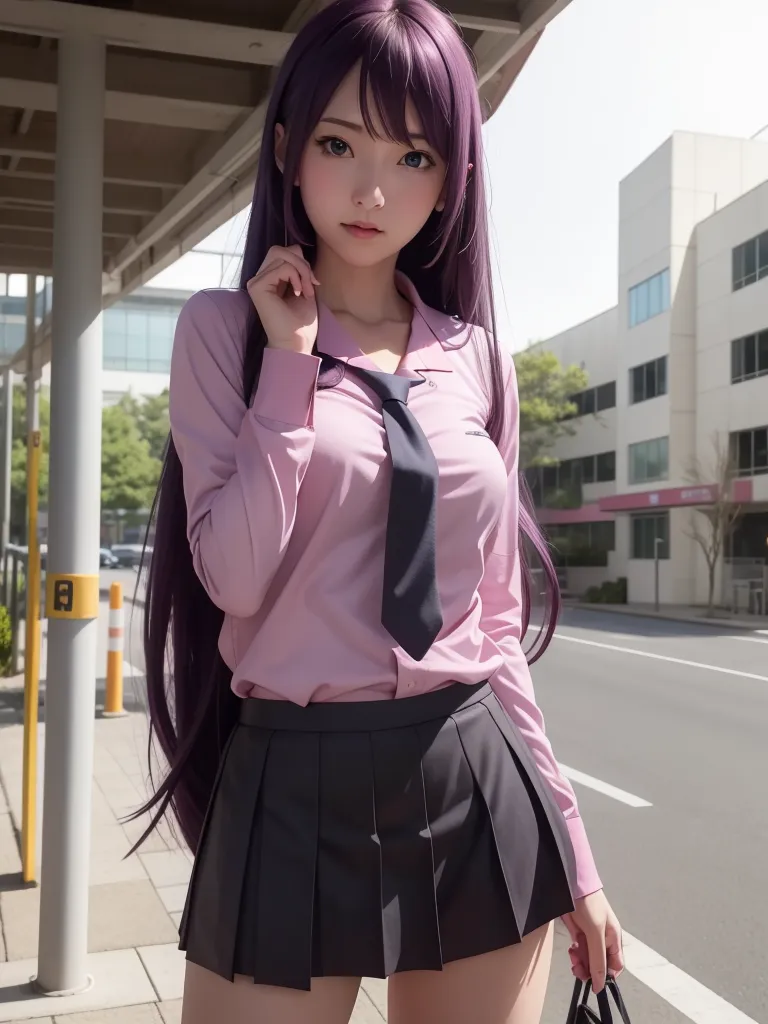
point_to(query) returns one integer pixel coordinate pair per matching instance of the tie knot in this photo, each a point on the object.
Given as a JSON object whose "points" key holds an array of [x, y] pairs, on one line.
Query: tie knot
{"points": [[388, 386]]}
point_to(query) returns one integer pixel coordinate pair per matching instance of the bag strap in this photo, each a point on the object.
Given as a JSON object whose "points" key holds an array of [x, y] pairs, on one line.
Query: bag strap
{"points": [[580, 1012]]}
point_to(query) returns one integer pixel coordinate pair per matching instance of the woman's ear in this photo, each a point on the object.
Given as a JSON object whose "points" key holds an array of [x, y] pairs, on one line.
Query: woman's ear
{"points": [[281, 141]]}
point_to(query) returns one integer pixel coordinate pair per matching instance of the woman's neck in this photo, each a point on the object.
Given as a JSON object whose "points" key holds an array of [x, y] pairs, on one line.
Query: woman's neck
{"points": [[367, 294]]}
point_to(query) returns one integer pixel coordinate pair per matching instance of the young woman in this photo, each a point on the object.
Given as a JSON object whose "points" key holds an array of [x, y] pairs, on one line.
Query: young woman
{"points": [[356, 755]]}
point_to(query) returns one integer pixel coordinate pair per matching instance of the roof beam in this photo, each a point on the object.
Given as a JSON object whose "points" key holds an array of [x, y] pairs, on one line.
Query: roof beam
{"points": [[115, 225], [146, 31], [495, 48], [18, 194], [169, 112], [120, 168]]}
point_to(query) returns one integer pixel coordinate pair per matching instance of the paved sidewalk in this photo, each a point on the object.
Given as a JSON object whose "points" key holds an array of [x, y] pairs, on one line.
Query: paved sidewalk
{"points": [[678, 613]]}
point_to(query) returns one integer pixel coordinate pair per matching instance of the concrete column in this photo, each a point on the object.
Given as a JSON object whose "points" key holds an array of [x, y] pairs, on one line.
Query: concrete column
{"points": [[5, 460], [74, 507]]}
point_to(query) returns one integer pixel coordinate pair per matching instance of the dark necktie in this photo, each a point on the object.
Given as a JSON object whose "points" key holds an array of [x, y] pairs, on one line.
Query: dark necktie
{"points": [[410, 609]]}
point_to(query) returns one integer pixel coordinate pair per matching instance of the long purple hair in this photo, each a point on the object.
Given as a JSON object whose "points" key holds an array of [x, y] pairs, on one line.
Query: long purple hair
{"points": [[405, 48]]}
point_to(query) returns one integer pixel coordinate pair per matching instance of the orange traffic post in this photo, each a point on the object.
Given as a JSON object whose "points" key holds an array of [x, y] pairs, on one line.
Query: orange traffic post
{"points": [[113, 703]]}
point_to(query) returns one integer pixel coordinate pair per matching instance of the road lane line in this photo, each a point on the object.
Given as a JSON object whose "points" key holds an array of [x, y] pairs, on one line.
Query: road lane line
{"points": [[663, 657], [747, 639], [604, 787], [674, 986]]}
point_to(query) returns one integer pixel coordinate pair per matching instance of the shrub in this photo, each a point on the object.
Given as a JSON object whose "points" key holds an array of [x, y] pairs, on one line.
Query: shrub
{"points": [[5, 641], [610, 592]]}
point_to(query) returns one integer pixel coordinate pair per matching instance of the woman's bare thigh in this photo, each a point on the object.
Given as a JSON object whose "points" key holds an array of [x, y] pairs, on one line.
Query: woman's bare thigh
{"points": [[506, 986], [210, 999]]}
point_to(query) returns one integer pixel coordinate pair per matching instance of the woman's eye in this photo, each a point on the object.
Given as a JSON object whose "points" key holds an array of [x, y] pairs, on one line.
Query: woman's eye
{"points": [[419, 161], [335, 147]]}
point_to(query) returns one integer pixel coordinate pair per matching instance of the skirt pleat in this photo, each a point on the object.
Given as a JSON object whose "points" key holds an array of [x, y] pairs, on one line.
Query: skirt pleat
{"points": [[408, 908], [214, 898], [349, 860], [542, 797], [278, 904], [366, 839]]}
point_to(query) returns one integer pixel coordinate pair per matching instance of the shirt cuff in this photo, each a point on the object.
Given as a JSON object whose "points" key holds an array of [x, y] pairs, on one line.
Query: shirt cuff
{"points": [[286, 388], [587, 878]]}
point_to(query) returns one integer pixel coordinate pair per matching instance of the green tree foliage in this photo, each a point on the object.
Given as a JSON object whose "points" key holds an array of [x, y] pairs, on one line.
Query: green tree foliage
{"points": [[129, 473], [545, 388], [134, 434], [19, 459], [151, 415]]}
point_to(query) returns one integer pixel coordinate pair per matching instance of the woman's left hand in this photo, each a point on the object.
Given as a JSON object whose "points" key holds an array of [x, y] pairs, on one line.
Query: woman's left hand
{"points": [[596, 948]]}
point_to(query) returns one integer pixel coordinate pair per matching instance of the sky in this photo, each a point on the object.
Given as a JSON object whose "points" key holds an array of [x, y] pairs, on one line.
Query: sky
{"points": [[608, 83]]}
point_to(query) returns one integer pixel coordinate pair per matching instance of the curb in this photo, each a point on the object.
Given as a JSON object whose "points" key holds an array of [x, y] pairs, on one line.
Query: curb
{"points": [[695, 620]]}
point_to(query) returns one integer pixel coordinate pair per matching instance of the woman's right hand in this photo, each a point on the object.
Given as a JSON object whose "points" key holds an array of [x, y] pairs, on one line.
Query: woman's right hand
{"points": [[283, 292]]}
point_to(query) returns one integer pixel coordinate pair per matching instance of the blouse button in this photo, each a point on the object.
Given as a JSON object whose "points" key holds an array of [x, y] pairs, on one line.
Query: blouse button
{"points": [[431, 383]]}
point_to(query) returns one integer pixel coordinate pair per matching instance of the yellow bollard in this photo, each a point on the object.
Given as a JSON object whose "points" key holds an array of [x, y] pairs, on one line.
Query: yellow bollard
{"points": [[31, 671], [113, 703]]}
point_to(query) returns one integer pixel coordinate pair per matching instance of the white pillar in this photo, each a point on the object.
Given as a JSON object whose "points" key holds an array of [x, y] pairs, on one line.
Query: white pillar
{"points": [[74, 508], [5, 460], [31, 387]]}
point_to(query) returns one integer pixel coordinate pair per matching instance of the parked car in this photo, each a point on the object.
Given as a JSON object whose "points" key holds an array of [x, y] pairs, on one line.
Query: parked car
{"points": [[107, 560], [128, 555]]}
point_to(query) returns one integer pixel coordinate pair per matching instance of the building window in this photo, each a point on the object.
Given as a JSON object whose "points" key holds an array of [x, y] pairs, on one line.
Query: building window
{"points": [[582, 544], [606, 467], [749, 451], [750, 261], [749, 357], [594, 400], [648, 381], [561, 486], [649, 461], [138, 336], [646, 530], [649, 298]]}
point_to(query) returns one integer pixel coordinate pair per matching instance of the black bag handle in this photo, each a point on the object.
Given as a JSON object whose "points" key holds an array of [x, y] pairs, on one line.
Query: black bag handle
{"points": [[580, 1012]]}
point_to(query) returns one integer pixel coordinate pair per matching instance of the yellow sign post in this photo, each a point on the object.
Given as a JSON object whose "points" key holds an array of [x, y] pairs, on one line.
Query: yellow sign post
{"points": [[31, 668]]}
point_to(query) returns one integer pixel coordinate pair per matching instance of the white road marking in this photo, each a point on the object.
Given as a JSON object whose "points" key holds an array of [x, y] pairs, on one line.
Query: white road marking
{"points": [[748, 639], [690, 997], [604, 787], [663, 657]]}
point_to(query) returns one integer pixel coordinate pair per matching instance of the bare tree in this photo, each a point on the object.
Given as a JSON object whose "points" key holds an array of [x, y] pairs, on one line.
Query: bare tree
{"points": [[711, 522]]}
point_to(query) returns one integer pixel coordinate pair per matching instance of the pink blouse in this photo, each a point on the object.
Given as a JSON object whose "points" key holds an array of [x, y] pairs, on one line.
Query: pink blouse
{"points": [[287, 506]]}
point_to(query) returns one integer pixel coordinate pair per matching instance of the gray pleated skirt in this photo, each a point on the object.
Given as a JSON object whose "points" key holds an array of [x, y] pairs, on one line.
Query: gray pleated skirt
{"points": [[361, 839]]}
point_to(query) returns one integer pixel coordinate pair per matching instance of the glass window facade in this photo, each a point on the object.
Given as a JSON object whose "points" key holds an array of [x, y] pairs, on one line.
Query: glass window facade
{"points": [[749, 451], [649, 298], [749, 261], [648, 381], [582, 544], [649, 461], [645, 530], [749, 357], [138, 335], [595, 399]]}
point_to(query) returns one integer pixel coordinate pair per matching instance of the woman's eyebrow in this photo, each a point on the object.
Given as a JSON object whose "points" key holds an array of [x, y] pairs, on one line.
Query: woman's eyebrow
{"points": [[359, 128]]}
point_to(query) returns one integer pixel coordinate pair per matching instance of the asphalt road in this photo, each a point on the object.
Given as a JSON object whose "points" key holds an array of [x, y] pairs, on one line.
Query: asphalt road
{"points": [[677, 717], [645, 706]]}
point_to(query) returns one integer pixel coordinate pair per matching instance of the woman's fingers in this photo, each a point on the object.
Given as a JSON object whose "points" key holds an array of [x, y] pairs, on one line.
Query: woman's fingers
{"points": [[614, 950], [278, 257], [597, 957]]}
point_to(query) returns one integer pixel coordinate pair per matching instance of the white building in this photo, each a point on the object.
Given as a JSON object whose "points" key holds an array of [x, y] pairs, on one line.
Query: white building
{"points": [[677, 370]]}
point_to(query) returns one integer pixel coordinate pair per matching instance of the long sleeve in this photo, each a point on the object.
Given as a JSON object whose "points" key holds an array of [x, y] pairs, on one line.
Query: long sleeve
{"points": [[242, 467], [501, 596]]}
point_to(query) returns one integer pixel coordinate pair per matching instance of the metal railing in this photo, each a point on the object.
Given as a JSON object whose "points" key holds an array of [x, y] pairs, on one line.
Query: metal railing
{"points": [[13, 595]]}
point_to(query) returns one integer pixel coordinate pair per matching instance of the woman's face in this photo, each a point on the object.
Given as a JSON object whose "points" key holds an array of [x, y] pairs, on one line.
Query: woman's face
{"points": [[349, 178]]}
